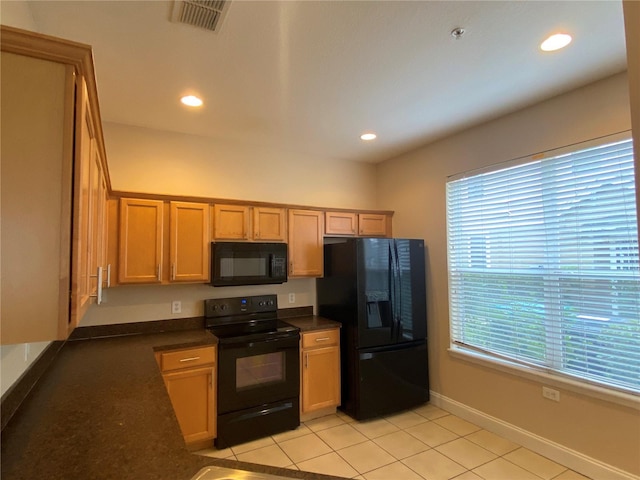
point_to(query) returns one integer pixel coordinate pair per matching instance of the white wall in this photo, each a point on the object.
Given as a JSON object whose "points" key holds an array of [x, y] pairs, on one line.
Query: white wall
{"points": [[153, 161], [413, 185], [17, 14], [140, 303], [15, 359]]}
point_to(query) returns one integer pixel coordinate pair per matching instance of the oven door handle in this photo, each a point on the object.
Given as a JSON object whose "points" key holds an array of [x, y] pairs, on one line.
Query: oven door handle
{"points": [[286, 340], [266, 411]]}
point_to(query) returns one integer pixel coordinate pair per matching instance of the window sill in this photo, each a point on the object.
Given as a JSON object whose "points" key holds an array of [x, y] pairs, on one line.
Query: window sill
{"points": [[583, 388]]}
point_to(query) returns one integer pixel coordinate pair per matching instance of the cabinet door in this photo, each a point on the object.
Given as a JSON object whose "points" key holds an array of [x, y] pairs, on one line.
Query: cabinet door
{"points": [[106, 262], [373, 225], [320, 378], [85, 148], [305, 243], [141, 226], [341, 223], [269, 224], [96, 219], [189, 242], [193, 399], [230, 222], [37, 98]]}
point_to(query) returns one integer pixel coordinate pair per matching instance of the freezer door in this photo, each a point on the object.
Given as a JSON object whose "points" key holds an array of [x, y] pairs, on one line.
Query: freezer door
{"points": [[389, 380]]}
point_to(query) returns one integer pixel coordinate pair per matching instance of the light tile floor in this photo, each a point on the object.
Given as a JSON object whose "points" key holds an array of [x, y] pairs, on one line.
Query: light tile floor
{"points": [[425, 443]]}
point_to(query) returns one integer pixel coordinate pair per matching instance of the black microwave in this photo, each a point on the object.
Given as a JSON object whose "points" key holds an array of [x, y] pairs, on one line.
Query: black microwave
{"points": [[248, 263]]}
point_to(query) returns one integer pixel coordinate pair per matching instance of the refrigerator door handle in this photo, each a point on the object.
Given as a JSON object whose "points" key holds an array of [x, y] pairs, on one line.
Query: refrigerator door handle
{"points": [[393, 285], [392, 294], [399, 293]]}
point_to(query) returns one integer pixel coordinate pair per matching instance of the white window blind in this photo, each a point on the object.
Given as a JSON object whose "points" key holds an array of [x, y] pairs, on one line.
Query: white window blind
{"points": [[543, 264]]}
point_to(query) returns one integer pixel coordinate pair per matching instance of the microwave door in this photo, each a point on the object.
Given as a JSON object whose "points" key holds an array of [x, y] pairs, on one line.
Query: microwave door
{"points": [[248, 264]]}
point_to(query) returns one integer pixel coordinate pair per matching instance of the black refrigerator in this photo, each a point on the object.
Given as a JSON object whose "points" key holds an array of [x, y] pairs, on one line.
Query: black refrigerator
{"points": [[376, 288]]}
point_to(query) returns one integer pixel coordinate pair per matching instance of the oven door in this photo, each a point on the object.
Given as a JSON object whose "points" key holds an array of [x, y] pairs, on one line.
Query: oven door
{"points": [[253, 372]]}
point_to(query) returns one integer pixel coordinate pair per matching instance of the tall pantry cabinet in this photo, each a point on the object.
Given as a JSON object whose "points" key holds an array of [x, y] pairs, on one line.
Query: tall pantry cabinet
{"points": [[54, 186]]}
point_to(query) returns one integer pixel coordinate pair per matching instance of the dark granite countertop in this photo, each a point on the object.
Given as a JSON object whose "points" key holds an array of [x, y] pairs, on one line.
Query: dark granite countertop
{"points": [[101, 411], [308, 323]]}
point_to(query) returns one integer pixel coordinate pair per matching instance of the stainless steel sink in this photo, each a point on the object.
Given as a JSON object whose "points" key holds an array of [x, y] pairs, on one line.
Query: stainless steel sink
{"points": [[221, 473]]}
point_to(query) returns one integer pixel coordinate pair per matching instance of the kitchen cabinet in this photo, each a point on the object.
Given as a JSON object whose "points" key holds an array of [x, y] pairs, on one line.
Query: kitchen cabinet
{"points": [[141, 241], [231, 222], [357, 224], [189, 375], [97, 217], [269, 224], [246, 222], [189, 242], [306, 229], [374, 225], [89, 264], [320, 370], [51, 132], [341, 223], [144, 235]]}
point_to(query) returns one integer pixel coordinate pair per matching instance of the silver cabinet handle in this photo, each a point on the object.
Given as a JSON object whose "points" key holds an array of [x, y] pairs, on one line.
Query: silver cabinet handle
{"points": [[323, 339], [173, 271], [190, 359], [158, 273], [98, 294], [109, 276]]}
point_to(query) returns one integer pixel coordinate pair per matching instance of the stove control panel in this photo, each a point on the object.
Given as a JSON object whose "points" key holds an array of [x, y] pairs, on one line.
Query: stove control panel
{"points": [[224, 307]]}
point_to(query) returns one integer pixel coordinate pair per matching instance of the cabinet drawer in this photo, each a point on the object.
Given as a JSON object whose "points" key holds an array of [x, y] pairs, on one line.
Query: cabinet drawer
{"points": [[321, 338], [191, 357]]}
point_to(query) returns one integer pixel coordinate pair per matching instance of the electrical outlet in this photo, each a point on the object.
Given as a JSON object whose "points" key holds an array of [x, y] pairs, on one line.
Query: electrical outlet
{"points": [[176, 306], [551, 394], [292, 298]]}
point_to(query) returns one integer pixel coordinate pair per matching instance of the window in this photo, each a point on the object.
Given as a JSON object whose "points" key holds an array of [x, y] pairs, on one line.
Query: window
{"points": [[543, 264]]}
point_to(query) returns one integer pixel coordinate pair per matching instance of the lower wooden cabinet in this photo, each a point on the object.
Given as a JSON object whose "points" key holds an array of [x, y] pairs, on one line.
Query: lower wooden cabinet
{"points": [[320, 370], [189, 375]]}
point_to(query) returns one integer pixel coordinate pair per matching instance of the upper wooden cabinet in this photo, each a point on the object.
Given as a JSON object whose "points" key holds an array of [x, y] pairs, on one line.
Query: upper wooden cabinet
{"points": [[269, 224], [341, 223], [144, 238], [245, 222], [357, 224], [51, 141], [189, 242], [230, 222], [141, 241], [374, 225], [306, 229]]}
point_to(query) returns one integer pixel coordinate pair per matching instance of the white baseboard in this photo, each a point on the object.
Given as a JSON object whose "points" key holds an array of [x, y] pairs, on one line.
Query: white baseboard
{"points": [[558, 453]]}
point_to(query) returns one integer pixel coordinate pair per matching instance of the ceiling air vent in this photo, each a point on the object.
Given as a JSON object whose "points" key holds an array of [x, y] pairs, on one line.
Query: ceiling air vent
{"points": [[207, 14]]}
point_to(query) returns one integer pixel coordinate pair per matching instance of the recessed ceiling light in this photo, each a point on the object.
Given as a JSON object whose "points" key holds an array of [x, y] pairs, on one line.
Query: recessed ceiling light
{"points": [[368, 136], [191, 101], [555, 42]]}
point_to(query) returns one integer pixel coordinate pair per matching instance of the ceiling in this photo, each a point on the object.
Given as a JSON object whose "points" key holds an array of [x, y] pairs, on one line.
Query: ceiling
{"points": [[309, 77]]}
